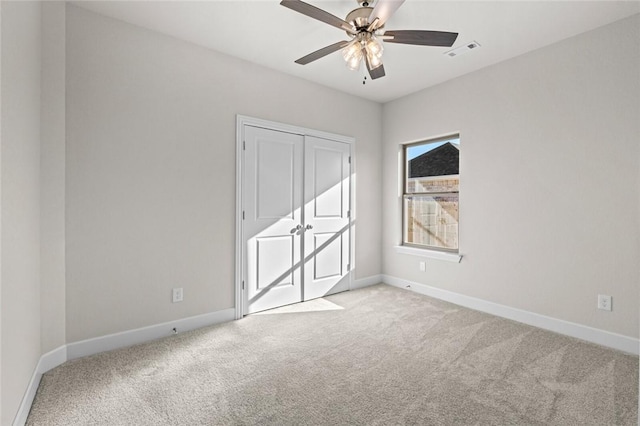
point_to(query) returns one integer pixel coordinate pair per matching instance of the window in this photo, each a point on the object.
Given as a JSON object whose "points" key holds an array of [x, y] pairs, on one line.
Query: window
{"points": [[431, 186]]}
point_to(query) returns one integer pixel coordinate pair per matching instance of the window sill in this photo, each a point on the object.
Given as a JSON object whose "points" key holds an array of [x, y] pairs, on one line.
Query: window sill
{"points": [[431, 254]]}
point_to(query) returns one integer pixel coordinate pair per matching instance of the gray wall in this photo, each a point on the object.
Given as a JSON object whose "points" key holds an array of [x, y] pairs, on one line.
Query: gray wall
{"points": [[150, 185], [549, 179], [52, 176], [20, 201]]}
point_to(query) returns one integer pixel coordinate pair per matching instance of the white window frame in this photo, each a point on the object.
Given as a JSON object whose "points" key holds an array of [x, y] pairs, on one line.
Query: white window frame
{"points": [[433, 252]]}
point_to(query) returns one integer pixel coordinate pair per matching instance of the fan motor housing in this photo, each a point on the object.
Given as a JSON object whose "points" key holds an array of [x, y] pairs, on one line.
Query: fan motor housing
{"points": [[359, 18]]}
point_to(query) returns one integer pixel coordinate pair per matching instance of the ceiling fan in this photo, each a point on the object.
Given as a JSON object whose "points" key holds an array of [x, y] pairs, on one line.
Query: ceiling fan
{"points": [[365, 27]]}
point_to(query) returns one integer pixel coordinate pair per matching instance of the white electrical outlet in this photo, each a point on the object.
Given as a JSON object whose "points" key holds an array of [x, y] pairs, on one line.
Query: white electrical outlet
{"points": [[177, 295], [604, 302], [423, 266]]}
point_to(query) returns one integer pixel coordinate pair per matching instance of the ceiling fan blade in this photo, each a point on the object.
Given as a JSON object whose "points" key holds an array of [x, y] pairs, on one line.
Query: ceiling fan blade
{"points": [[422, 38], [383, 11], [319, 14], [321, 52], [375, 72]]}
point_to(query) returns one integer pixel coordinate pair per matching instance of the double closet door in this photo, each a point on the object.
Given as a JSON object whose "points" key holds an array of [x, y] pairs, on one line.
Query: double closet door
{"points": [[296, 226]]}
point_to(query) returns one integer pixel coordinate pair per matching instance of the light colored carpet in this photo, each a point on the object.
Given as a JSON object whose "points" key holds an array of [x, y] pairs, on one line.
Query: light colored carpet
{"points": [[376, 356]]}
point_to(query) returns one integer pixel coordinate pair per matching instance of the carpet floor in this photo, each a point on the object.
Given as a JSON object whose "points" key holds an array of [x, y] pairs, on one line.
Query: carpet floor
{"points": [[375, 356]]}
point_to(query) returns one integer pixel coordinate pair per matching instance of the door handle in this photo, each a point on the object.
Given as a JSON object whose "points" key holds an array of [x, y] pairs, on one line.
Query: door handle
{"points": [[299, 227], [308, 227]]}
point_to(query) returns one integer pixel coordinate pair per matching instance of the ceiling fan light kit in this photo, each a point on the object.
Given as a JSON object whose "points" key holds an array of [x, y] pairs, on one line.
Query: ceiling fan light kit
{"points": [[362, 45], [364, 25]]}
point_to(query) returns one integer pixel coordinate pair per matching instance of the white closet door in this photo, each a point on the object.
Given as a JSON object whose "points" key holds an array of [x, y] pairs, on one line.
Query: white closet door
{"points": [[272, 226], [326, 213]]}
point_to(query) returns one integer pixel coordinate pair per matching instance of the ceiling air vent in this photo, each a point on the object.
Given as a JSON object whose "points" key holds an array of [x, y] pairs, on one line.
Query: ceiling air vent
{"points": [[462, 49]]}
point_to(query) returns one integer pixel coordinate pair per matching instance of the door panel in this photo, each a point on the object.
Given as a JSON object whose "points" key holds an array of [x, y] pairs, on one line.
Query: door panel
{"points": [[328, 257], [326, 210], [275, 181], [327, 194], [273, 255], [272, 199]]}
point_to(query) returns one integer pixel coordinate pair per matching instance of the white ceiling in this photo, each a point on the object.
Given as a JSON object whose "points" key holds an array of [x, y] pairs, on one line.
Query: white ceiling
{"points": [[263, 32]]}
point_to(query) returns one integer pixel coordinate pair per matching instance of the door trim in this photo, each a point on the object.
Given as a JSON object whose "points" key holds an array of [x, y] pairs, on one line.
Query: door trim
{"points": [[241, 121]]}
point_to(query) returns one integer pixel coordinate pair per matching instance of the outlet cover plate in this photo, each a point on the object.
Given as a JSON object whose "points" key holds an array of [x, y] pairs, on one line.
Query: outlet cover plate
{"points": [[177, 295], [604, 302]]}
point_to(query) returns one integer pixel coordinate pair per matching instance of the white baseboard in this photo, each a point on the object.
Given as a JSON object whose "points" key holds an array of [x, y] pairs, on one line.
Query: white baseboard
{"points": [[52, 359], [27, 399], [110, 342], [47, 361], [145, 334], [590, 334], [366, 282]]}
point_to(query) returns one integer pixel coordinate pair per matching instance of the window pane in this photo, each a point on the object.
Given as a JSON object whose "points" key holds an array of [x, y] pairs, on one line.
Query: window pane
{"points": [[434, 184], [430, 165], [431, 220]]}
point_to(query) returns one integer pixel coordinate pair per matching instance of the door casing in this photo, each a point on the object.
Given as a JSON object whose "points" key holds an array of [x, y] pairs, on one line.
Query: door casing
{"points": [[241, 122]]}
